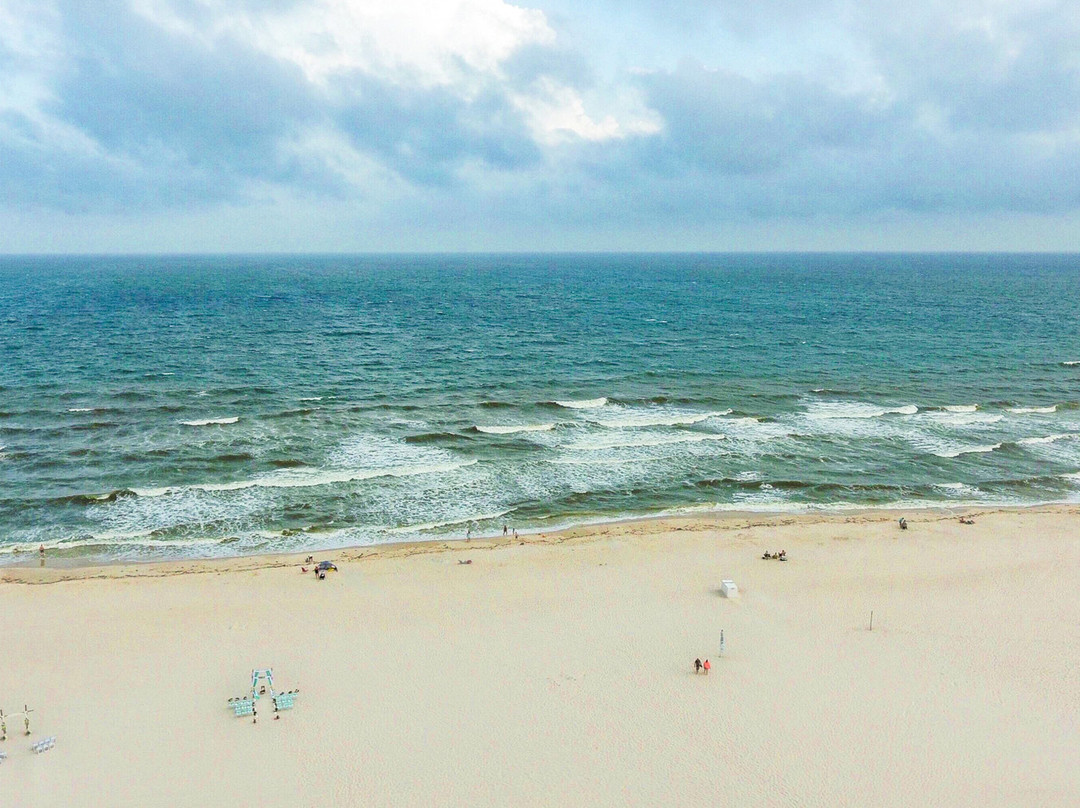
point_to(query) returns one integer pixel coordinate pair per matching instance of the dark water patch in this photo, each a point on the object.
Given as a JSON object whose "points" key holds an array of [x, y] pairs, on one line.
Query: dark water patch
{"points": [[238, 457], [506, 405], [242, 391], [92, 426], [132, 395], [291, 413], [438, 437], [170, 408], [6, 414], [14, 429], [392, 407], [94, 499], [825, 489], [287, 463]]}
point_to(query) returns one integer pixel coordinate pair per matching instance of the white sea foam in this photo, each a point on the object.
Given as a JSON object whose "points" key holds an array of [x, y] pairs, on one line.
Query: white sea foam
{"points": [[81, 409], [308, 478], [152, 492], [110, 538], [667, 440], [599, 461], [1071, 362], [1029, 410], [828, 410], [510, 430], [584, 404], [312, 398], [208, 421], [639, 421], [1072, 475], [961, 407], [959, 489], [480, 517], [1050, 438], [966, 418], [967, 450]]}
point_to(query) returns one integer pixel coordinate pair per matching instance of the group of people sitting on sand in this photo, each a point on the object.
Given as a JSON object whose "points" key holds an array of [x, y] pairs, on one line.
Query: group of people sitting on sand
{"points": [[781, 556], [966, 520]]}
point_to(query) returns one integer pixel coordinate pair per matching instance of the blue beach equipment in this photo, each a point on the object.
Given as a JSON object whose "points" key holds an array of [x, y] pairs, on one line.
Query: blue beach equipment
{"points": [[246, 705]]}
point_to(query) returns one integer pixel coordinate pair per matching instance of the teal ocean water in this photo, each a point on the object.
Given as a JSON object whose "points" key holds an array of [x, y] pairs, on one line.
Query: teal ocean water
{"points": [[174, 406]]}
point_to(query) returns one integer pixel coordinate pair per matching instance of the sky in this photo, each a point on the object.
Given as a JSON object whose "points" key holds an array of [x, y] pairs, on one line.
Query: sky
{"points": [[484, 125]]}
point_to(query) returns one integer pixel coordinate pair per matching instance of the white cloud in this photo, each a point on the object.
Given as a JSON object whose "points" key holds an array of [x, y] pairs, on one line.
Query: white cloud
{"points": [[556, 114], [414, 42], [459, 45]]}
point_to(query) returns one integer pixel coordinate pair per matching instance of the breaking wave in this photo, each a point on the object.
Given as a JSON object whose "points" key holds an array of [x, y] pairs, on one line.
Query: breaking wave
{"points": [[639, 421], [1050, 438], [511, 430], [967, 450], [209, 421], [584, 404], [856, 409]]}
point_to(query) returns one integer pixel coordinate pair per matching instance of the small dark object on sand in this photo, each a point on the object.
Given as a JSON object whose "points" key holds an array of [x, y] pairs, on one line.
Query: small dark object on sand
{"points": [[466, 561]]}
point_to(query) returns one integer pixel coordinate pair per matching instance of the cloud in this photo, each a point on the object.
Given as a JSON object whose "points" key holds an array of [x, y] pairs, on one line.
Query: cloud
{"points": [[485, 115]]}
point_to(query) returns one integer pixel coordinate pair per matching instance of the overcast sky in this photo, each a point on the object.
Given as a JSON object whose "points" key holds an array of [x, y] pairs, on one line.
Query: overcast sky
{"points": [[371, 125]]}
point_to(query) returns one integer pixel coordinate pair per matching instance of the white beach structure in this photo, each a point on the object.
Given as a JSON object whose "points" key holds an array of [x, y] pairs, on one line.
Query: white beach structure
{"points": [[728, 588]]}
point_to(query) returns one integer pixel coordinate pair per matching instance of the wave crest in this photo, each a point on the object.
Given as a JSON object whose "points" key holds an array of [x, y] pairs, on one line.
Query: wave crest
{"points": [[639, 421], [584, 404], [511, 430]]}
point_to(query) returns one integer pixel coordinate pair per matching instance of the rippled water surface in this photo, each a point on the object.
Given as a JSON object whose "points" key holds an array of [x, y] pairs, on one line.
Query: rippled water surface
{"points": [[153, 407]]}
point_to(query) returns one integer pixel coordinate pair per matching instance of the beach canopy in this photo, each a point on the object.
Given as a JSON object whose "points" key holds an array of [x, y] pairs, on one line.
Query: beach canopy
{"points": [[326, 565]]}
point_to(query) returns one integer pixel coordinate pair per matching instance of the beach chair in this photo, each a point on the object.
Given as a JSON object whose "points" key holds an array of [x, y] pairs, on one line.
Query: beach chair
{"points": [[44, 745], [284, 701], [242, 707]]}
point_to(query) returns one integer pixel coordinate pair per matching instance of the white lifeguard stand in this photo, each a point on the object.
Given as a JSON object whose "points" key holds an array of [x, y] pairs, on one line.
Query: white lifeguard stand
{"points": [[728, 588]]}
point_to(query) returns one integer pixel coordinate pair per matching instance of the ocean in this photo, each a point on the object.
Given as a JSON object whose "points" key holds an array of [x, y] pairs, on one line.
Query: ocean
{"points": [[162, 407]]}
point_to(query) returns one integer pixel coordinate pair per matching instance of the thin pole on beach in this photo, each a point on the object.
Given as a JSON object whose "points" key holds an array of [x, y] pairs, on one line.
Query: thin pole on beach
{"points": [[871, 619]]}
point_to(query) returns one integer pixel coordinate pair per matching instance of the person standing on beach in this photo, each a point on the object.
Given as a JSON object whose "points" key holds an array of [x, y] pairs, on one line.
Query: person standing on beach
{"points": [[707, 667], [504, 529], [697, 665]]}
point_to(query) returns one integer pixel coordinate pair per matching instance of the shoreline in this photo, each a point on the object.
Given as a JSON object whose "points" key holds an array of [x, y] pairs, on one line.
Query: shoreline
{"points": [[31, 572]]}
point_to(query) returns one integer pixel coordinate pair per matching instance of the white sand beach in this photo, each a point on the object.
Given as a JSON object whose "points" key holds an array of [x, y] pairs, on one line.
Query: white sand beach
{"points": [[558, 672]]}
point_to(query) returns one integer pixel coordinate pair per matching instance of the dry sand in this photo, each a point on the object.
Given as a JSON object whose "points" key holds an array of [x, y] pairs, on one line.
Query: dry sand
{"points": [[558, 672]]}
